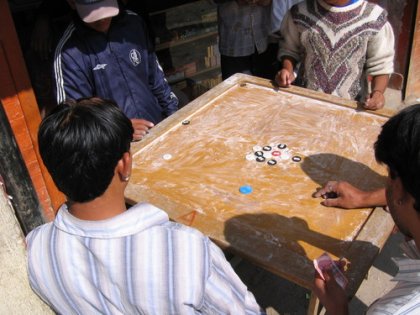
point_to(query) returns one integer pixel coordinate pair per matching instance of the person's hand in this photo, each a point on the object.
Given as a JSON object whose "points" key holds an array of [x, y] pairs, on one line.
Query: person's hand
{"points": [[141, 128], [341, 195], [41, 39], [285, 78], [330, 294], [374, 101]]}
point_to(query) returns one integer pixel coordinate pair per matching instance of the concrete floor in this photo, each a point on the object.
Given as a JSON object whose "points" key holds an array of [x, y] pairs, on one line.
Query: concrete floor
{"points": [[280, 297]]}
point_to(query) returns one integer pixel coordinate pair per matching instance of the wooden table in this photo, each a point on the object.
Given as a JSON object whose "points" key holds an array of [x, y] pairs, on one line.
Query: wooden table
{"points": [[194, 172]]}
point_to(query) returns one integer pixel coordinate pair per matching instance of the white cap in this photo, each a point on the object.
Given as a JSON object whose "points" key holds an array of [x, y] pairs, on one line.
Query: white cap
{"points": [[95, 10]]}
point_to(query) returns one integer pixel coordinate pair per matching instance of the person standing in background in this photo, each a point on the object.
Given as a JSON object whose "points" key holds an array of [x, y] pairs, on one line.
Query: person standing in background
{"points": [[244, 30], [279, 9], [107, 52]]}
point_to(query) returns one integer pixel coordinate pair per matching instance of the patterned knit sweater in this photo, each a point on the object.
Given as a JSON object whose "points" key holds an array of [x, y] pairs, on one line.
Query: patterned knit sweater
{"points": [[338, 46]]}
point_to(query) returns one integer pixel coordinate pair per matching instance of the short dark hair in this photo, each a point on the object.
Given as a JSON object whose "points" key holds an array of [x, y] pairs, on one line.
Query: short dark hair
{"points": [[398, 146], [81, 143]]}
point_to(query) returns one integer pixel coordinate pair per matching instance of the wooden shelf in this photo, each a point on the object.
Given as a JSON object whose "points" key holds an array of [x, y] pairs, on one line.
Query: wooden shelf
{"points": [[178, 42], [191, 30], [203, 71]]}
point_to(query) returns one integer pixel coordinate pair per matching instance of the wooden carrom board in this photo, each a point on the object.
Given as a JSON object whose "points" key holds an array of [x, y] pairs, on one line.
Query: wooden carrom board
{"points": [[278, 226]]}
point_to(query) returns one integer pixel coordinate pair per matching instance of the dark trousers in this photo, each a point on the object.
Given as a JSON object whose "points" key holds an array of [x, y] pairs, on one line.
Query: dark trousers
{"points": [[263, 65]]}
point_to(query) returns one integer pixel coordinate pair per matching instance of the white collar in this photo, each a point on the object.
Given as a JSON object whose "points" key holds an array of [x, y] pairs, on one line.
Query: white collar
{"points": [[136, 219]]}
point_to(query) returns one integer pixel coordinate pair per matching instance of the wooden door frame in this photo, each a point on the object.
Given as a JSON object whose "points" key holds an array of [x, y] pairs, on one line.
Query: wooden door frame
{"points": [[22, 111]]}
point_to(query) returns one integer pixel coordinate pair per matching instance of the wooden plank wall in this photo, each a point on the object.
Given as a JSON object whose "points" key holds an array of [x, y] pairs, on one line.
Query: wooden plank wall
{"points": [[402, 18], [22, 111], [412, 91]]}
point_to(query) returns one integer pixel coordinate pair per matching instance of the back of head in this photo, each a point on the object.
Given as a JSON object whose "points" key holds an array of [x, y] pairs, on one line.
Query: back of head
{"points": [[81, 143], [398, 146]]}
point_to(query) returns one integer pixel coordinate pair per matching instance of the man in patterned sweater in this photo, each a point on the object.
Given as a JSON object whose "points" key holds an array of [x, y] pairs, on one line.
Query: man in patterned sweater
{"points": [[338, 43]]}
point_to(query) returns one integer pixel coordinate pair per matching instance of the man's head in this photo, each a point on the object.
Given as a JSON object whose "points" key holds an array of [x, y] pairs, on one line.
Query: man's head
{"points": [[398, 146], [96, 14], [81, 143], [94, 10]]}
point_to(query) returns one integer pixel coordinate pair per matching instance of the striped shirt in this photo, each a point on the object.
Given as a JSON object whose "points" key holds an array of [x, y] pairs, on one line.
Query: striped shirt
{"points": [[405, 297], [243, 29], [135, 263]]}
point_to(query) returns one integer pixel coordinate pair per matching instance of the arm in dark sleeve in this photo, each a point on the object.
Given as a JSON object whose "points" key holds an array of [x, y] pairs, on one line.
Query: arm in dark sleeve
{"points": [[160, 87], [156, 77], [71, 80]]}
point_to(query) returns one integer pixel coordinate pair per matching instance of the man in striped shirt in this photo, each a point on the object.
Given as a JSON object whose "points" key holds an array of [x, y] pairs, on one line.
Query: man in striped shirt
{"points": [[98, 257], [398, 147]]}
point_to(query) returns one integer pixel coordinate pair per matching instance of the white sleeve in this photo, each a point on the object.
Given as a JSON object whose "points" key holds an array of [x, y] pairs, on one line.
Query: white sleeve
{"points": [[380, 52]]}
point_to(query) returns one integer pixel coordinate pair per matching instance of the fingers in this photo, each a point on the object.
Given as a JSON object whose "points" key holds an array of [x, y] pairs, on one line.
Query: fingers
{"points": [[330, 192], [138, 134], [147, 123], [319, 286], [375, 101], [329, 187], [284, 78], [332, 202], [141, 124], [141, 128], [342, 264]]}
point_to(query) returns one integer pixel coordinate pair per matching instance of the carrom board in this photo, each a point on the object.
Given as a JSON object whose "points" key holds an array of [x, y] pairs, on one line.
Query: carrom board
{"points": [[194, 171]]}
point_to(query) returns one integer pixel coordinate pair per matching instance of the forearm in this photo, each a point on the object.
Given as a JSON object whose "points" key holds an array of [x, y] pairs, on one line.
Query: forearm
{"points": [[288, 63], [160, 87], [71, 81], [380, 83], [290, 45], [373, 198], [344, 195]]}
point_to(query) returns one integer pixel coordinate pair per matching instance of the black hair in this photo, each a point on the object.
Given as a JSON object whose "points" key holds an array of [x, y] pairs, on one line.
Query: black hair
{"points": [[81, 143], [398, 146]]}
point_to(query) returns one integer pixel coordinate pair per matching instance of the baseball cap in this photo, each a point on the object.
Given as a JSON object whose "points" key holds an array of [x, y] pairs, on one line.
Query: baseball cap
{"points": [[94, 10]]}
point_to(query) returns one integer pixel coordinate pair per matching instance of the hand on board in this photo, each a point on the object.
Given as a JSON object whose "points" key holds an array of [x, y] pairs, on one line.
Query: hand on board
{"points": [[374, 101], [285, 78], [341, 195], [141, 128]]}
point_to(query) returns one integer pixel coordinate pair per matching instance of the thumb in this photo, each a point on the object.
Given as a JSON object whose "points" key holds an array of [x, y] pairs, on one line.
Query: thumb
{"points": [[319, 287], [330, 280], [331, 202]]}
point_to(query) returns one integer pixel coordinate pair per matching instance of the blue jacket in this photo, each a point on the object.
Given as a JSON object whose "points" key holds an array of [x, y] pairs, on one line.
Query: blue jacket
{"points": [[120, 66]]}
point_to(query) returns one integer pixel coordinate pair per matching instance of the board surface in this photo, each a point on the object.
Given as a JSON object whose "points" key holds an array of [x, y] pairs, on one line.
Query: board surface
{"points": [[194, 172]]}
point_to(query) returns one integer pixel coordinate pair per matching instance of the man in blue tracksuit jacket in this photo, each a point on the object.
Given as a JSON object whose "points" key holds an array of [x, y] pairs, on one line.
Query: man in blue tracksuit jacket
{"points": [[107, 52]]}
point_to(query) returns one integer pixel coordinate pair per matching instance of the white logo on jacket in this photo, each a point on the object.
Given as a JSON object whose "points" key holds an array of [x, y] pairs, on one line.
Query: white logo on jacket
{"points": [[135, 57], [100, 66]]}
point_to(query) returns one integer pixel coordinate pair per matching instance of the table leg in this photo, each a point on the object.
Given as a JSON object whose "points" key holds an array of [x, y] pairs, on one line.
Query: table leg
{"points": [[313, 308]]}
